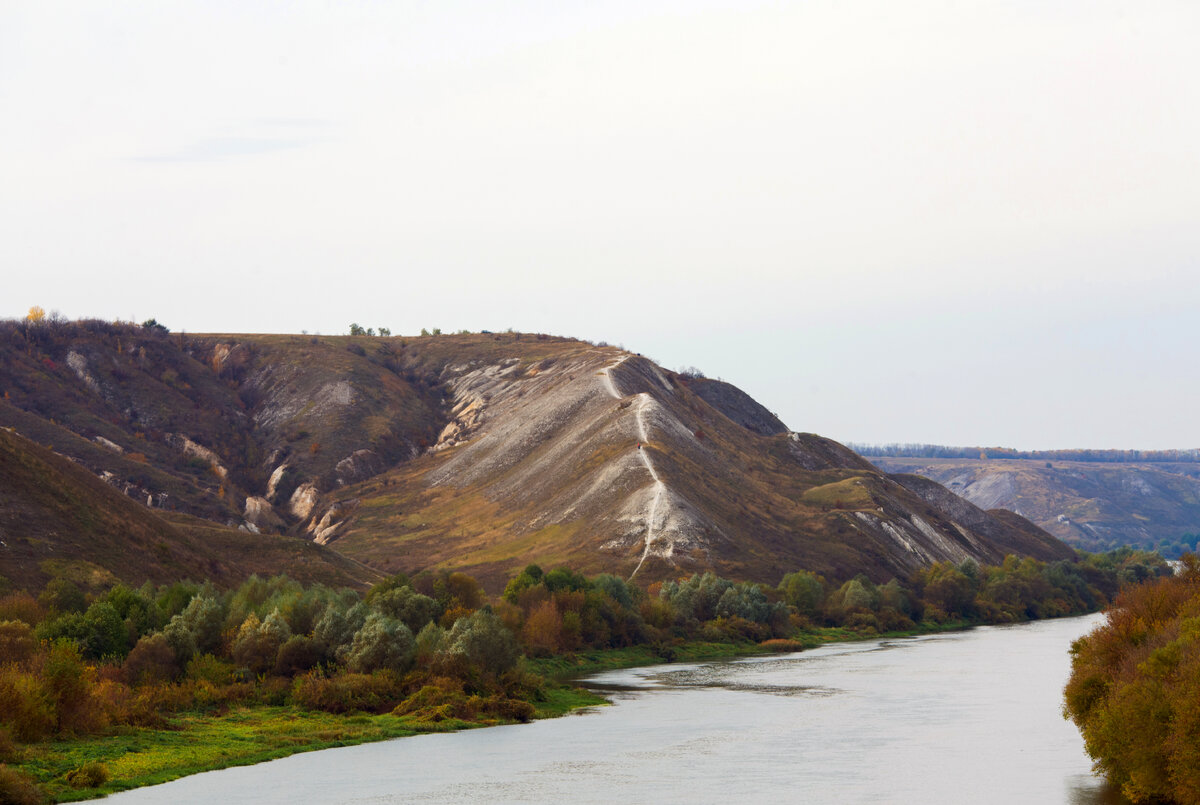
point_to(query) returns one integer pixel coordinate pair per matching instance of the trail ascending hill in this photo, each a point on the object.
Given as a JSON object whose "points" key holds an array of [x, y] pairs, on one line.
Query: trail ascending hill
{"points": [[480, 452], [637, 474]]}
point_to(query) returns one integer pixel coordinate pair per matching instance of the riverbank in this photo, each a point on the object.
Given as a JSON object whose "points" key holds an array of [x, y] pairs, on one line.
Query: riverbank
{"points": [[191, 743], [881, 720]]}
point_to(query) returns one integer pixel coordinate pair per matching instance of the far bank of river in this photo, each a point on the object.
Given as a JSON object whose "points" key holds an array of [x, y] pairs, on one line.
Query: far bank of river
{"points": [[970, 716]]}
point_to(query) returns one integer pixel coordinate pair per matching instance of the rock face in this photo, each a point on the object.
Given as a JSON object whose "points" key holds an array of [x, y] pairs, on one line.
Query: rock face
{"points": [[260, 514], [303, 501], [190, 448], [358, 466]]}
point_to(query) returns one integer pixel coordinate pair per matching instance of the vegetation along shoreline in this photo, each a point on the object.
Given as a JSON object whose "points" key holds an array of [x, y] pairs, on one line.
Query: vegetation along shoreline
{"points": [[114, 688]]}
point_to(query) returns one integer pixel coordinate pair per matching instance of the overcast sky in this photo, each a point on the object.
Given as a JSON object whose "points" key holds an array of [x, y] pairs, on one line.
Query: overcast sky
{"points": [[957, 223]]}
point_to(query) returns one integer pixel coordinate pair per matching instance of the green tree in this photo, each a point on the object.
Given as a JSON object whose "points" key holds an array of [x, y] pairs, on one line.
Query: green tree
{"points": [[805, 591], [382, 642], [62, 596], [258, 642], [408, 606], [481, 642]]}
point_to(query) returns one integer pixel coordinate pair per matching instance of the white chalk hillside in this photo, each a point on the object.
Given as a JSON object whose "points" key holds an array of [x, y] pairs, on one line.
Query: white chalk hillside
{"points": [[649, 471], [534, 443]]}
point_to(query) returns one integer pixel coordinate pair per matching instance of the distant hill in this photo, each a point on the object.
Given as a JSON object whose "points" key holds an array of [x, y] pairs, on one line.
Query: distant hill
{"points": [[1096, 501], [480, 452]]}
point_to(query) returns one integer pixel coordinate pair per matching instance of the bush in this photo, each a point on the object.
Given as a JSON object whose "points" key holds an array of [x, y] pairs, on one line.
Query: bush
{"points": [[297, 655], [344, 693], [21, 606], [62, 596], [18, 788], [436, 703], [782, 645], [9, 751], [89, 775], [69, 683], [152, 660], [26, 709], [17, 643], [207, 668]]}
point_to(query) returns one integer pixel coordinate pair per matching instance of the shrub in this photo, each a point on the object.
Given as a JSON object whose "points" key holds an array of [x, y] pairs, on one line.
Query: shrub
{"points": [[17, 643], [297, 655], [21, 606], [18, 788], [9, 751], [89, 775], [436, 703], [152, 660], [26, 709], [373, 693], [62, 596], [207, 668], [69, 683], [782, 645]]}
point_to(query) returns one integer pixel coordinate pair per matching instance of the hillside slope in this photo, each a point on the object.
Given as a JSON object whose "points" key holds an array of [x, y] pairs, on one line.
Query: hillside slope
{"points": [[602, 460], [57, 518], [1092, 505], [482, 452]]}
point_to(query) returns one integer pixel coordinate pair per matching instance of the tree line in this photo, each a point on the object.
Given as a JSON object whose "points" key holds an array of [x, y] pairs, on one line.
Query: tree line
{"points": [[435, 647], [1095, 456]]}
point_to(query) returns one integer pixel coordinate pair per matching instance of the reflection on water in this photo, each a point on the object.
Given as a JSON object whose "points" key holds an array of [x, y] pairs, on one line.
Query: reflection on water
{"points": [[965, 717]]}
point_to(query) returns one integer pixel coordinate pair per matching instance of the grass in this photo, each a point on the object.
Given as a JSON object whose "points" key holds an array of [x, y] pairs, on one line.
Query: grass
{"points": [[196, 743]]}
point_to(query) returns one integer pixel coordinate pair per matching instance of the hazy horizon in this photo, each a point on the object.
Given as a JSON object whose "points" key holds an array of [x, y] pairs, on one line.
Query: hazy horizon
{"points": [[930, 223]]}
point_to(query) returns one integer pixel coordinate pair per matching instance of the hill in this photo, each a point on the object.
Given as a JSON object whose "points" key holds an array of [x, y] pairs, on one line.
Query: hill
{"points": [[1094, 505], [58, 519], [480, 452]]}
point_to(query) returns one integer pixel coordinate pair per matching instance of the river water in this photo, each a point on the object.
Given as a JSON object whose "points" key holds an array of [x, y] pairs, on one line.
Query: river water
{"points": [[971, 716]]}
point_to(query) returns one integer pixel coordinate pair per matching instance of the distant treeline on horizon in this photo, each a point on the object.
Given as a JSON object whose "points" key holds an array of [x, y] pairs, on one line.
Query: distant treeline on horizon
{"points": [[1099, 456]]}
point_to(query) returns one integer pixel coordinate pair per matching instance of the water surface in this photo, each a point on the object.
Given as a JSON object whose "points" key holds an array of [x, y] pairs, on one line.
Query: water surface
{"points": [[965, 717]]}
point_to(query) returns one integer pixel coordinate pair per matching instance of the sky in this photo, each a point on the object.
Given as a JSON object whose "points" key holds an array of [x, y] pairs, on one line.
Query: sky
{"points": [[932, 222]]}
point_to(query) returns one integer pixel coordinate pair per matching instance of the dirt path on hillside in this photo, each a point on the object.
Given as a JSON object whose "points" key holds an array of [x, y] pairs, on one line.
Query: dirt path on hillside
{"points": [[644, 454]]}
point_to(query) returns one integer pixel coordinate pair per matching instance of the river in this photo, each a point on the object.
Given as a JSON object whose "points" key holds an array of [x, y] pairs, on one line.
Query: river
{"points": [[970, 716]]}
